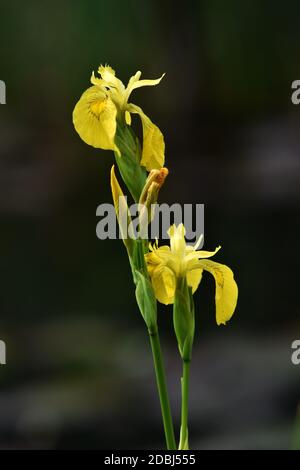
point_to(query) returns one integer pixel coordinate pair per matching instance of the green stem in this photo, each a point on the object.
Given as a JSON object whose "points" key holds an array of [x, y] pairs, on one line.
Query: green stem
{"points": [[183, 445], [162, 391]]}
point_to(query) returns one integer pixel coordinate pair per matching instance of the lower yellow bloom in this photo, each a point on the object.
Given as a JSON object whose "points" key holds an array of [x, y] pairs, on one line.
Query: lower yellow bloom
{"points": [[168, 264]]}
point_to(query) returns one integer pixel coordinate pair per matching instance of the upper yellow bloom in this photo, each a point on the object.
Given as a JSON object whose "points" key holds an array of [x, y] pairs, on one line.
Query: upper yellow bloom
{"points": [[96, 113], [167, 264]]}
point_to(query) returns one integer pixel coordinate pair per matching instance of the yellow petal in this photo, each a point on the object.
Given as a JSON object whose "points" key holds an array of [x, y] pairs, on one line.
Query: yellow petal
{"points": [[106, 71], [122, 211], [177, 241], [109, 76], [207, 254], [198, 242], [132, 80], [193, 278], [226, 289], [135, 82], [128, 118], [192, 254], [94, 118], [157, 256], [97, 81], [153, 261], [141, 83], [153, 153], [164, 284]]}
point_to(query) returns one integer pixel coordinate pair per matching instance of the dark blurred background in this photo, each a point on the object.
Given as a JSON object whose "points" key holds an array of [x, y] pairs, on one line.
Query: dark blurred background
{"points": [[79, 372]]}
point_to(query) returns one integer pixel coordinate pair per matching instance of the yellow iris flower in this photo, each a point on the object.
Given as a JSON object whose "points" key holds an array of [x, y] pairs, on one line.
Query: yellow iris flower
{"points": [[97, 111], [168, 264]]}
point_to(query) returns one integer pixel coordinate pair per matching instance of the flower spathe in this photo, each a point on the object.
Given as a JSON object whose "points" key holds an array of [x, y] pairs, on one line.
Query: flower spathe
{"points": [[168, 264], [97, 112]]}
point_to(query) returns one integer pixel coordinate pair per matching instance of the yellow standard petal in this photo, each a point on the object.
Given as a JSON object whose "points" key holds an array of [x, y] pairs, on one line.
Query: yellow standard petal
{"points": [[226, 289], [94, 119], [135, 82], [191, 253], [177, 240], [108, 75], [153, 153]]}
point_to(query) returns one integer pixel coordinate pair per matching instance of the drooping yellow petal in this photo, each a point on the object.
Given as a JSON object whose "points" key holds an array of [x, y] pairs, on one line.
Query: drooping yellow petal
{"points": [[226, 289], [94, 119], [153, 153], [164, 284], [157, 256]]}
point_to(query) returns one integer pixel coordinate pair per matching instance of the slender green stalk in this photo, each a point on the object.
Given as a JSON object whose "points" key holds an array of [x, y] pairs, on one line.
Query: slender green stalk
{"points": [[162, 391], [183, 445]]}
